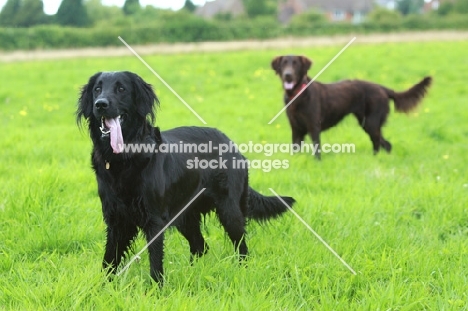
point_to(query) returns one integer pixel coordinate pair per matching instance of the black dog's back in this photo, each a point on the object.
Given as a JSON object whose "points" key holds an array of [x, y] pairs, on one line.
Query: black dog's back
{"points": [[228, 177]]}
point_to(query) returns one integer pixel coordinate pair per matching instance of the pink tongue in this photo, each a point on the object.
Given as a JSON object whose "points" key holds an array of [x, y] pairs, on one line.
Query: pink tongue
{"points": [[288, 85], [116, 138]]}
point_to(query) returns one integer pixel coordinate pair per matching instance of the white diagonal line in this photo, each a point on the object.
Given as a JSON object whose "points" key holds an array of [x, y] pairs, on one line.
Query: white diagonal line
{"points": [[159, 233], [162, 80], [315, 78], [315, 233]]}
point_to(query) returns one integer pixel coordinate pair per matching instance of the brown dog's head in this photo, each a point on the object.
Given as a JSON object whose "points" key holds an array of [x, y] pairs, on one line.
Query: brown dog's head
{"points": [[291, 69]]}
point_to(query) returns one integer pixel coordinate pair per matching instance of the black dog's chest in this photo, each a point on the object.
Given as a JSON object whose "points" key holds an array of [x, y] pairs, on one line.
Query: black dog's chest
{"points": [[125, 182]]}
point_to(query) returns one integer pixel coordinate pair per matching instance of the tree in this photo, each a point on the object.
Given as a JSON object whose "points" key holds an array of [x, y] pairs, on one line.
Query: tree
{"points": [[449, 7], [308, 19], [223, 17], [30, 13], [256, 8], [9, 13], [189, 6], [445, 8], [99, 13], [72, 13], [131, 7], [410, 6], [384, 16], [23, 13], [461, 6]]}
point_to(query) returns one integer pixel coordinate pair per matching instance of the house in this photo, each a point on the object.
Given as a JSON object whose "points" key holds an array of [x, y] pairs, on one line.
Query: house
{"points": [[431, 5], [212, 8], [335, 10]]}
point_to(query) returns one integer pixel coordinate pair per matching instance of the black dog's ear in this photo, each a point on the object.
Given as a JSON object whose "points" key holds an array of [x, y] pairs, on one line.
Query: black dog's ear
{"points": [[275, 63], [157, 135], [306, 62], [85, 103], [144, 97]]}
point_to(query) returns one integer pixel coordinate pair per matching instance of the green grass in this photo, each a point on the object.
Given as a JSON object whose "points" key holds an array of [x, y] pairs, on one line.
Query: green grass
{"points": [[399, 220]]}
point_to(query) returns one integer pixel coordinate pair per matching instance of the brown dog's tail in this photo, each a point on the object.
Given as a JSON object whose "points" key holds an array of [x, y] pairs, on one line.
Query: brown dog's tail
{"points": [[409, 99], [262, 208]]}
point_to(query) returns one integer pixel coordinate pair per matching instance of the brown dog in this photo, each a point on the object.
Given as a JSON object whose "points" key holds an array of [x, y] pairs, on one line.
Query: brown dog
{"points": [[321, 106]]}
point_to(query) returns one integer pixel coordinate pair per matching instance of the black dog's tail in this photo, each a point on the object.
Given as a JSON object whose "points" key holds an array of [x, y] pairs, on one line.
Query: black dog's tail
{"points": [[262, 208], [409, 99]]}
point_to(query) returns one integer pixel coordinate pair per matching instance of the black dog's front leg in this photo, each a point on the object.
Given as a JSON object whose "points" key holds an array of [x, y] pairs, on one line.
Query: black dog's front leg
{"points": [[155, 249], [120, 231], [119, 237]]}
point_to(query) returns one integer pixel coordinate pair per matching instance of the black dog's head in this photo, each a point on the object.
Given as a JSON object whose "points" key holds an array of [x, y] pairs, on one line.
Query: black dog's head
{"points": [[291, 69], [117, 105]]}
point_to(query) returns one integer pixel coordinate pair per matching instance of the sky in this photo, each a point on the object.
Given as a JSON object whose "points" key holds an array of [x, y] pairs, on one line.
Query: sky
{"points": [[51, 6]]}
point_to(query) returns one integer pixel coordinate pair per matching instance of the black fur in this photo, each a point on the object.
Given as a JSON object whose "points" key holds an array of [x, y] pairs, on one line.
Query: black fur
{"points": [[145, 191]]}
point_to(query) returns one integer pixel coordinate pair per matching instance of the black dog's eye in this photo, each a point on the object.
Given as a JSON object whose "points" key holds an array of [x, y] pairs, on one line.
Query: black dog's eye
{"points": [[120, 89], [97, 89]]}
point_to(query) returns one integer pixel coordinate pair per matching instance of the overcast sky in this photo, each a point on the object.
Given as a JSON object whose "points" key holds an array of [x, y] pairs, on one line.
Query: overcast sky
{"points": [[51, 6]]}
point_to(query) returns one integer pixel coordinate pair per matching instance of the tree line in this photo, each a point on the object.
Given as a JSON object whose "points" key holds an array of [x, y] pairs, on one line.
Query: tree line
{"points": [[89, 13], [73, 13], [88, 23]]}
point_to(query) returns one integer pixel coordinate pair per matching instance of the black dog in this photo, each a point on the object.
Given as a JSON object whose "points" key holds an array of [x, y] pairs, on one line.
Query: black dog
{"points": [[146, 190], [322, 106]]}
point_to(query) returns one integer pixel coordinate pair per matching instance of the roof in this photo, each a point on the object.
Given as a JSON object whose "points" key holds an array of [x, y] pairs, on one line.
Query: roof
{"points": [[288, 8], [211, 8], [343, 5]]}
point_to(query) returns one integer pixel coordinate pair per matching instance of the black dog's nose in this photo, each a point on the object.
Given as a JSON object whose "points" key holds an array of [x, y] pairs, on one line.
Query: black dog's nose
{"points": [[287, 76], [101, 104]]}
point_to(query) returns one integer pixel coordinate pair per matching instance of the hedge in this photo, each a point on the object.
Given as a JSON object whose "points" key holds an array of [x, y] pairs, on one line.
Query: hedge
{"points": [[198, 30]]}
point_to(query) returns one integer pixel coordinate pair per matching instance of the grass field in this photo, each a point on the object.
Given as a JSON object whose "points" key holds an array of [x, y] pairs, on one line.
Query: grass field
{"points": [[399, 220]]}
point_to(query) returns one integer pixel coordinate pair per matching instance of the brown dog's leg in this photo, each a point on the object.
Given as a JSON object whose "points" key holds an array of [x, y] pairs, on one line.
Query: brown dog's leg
{"points": [[373, 130], [298, 137], [314, 133]]}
